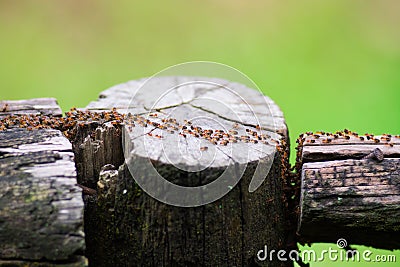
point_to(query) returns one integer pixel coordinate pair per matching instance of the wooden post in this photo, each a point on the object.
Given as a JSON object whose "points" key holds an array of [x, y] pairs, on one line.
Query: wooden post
{"points": [[349, 183], [126, 226], [351, 189], [41, 216]]}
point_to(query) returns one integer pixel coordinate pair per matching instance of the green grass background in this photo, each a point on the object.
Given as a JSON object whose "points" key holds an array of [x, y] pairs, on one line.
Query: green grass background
{"points": [[328, 64]]}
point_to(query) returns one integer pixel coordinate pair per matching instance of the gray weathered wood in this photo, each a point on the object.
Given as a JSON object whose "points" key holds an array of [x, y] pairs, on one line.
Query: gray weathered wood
{"points": [[354, 147], [346, 196], [95, 147], [145, 232], [41, 214], [37, 106]]}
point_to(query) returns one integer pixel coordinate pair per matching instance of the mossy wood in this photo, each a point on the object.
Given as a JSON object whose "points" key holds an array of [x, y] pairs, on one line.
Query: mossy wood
{"points": [[347, 194]]}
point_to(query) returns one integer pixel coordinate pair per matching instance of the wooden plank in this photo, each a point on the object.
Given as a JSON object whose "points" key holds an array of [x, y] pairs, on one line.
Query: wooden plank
{"points": [[36, 106], [346, 196], [315, 147], [41, 219], [41, 216]]}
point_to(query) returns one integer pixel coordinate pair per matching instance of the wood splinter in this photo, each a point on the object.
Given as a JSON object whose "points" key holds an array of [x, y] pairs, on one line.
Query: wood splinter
{"points": [[376, 154]]}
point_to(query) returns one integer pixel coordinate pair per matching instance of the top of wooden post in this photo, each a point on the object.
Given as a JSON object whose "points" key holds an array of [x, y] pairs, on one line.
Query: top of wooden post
{"points": [[195, 124], [208, 103]]}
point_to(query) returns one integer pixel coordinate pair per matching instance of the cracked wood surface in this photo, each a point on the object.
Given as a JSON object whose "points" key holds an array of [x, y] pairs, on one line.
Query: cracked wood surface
{"points": [[346, 196], [227, 232], [209, 104], [41, 215], [143, 96]]}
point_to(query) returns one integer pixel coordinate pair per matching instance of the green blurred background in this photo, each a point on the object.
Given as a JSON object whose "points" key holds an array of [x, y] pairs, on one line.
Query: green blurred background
{"points": [[328, 64]]}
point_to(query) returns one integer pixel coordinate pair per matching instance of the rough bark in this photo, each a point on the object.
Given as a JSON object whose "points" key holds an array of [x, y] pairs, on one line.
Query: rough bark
{"points": [[41, 216], [126, 226], [346, 196]]}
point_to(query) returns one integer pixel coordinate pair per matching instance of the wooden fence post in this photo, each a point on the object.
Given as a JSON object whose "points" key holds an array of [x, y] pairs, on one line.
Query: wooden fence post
{"points": [[124, 225]]}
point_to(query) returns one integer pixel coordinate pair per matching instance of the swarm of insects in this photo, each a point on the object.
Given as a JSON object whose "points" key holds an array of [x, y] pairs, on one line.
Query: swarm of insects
{"points": [[188, 129], [75, 119], [68, 124], [321, 137]]}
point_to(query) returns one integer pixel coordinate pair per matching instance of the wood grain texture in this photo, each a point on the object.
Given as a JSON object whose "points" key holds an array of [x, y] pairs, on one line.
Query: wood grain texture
{"points": [[345, 196], [316, 149], [41, 214], [36, 106], [41, 217], [239, 103], [95, 146], [228, 232]]}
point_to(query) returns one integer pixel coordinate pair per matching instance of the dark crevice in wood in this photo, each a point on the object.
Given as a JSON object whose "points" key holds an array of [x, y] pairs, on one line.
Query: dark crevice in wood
{"points": [[204, 236], [160, 109], [74, 261], [229, 119], [226, 154], [242, 220]]}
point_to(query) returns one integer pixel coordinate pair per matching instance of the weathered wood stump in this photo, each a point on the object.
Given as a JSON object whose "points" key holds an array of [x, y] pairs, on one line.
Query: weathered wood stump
{"points": [[41, 215], [347, 194], [126, 226]]}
